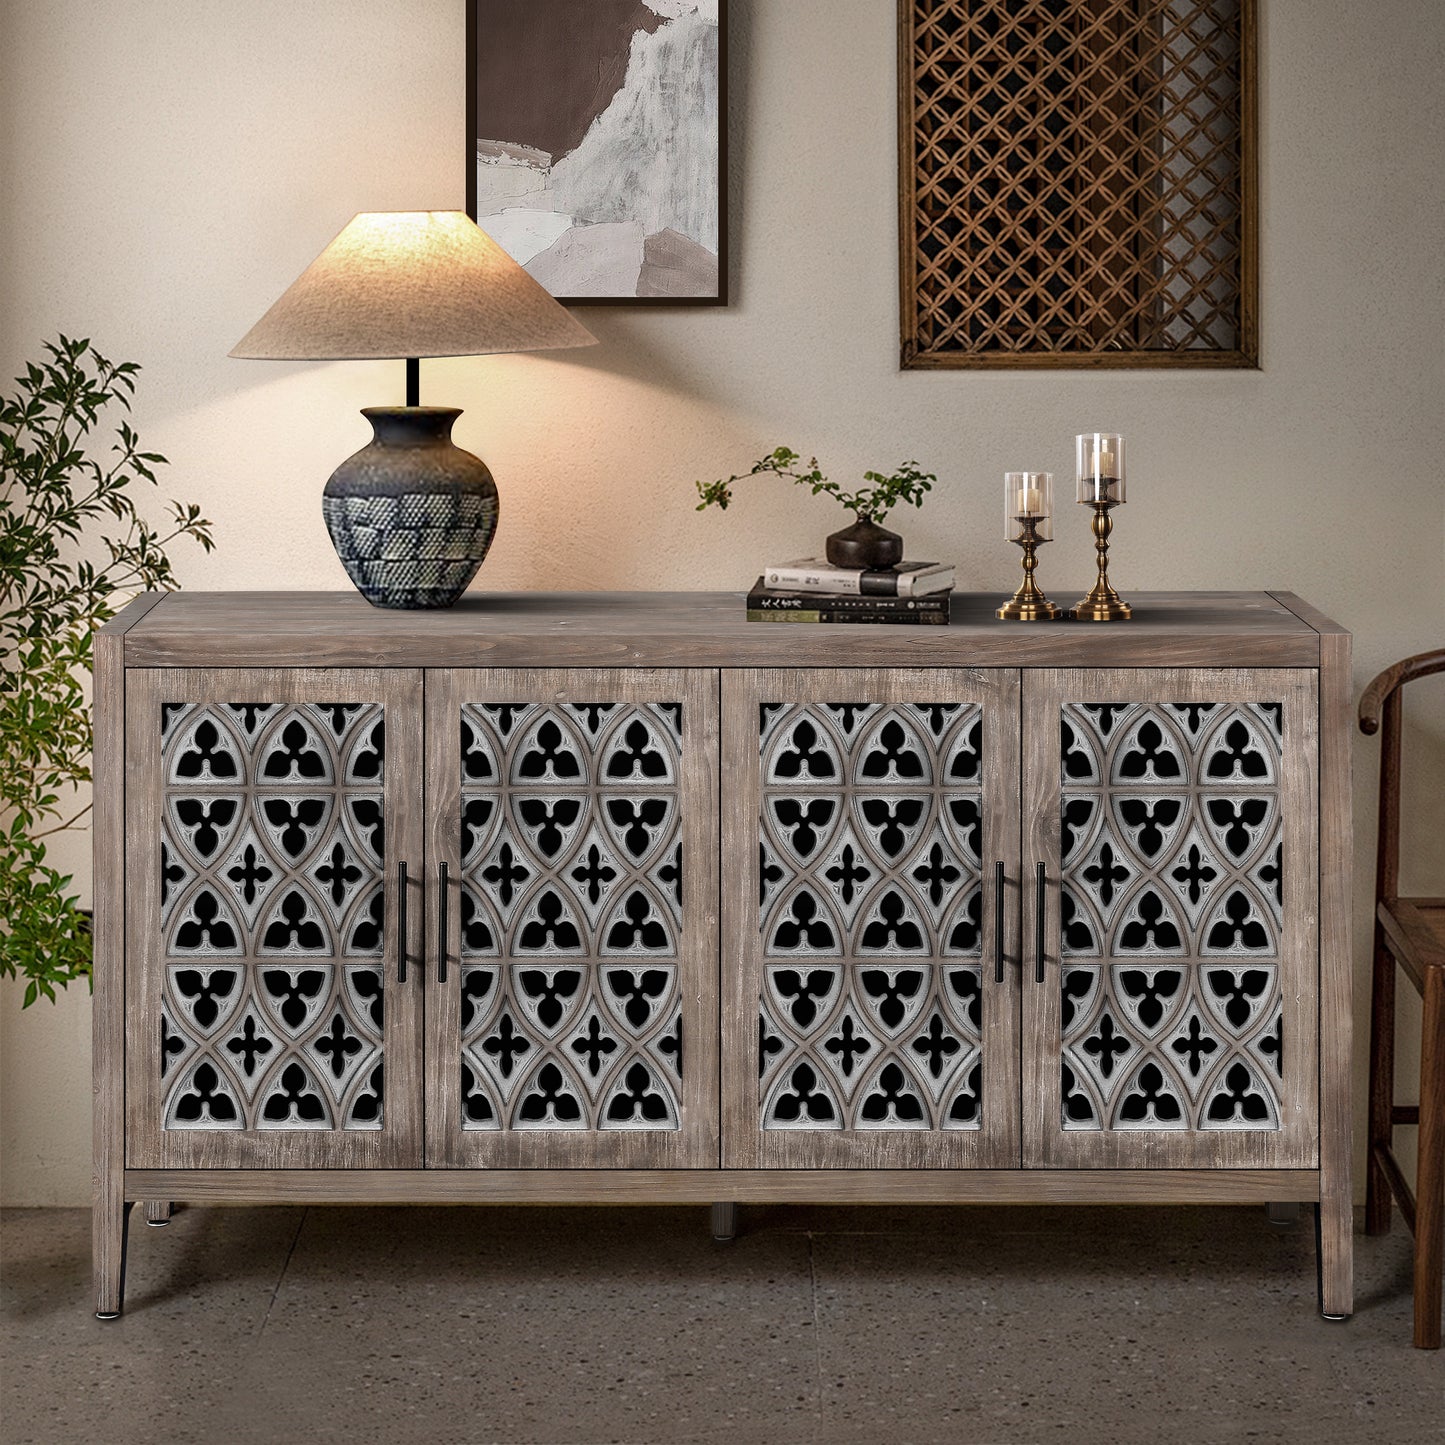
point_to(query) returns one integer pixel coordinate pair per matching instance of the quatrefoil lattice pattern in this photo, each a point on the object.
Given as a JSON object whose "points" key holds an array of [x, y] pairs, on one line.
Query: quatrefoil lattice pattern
{"points": [[869, 908], [272, 916], [1172, 907], [572, 883]]}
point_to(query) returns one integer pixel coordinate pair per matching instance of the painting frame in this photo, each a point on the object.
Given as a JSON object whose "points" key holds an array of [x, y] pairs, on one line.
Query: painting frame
{"points": [[476, 18]]}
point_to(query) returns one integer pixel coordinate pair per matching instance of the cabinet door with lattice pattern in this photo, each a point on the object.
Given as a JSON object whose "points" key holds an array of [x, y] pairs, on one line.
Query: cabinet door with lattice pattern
{"points": [[870, 896], [269, 814], [572, 944], [1171, 823]]}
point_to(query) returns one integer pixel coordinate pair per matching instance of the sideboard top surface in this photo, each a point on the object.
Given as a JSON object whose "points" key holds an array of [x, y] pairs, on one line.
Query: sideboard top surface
{"points": [[698, 629]]}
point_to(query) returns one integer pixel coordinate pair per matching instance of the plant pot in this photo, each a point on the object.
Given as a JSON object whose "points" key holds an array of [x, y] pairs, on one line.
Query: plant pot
{"points": [[411, 514], [865, 545]]}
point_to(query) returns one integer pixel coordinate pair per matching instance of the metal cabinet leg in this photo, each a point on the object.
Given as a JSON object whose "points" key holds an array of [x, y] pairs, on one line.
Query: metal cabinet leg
{"points": [[724, 1222], [1282, 1215], [112, 1217], [158, 1212]]}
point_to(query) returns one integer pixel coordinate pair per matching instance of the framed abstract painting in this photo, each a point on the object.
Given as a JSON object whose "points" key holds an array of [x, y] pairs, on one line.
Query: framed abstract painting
{"points": [[597, 144]]}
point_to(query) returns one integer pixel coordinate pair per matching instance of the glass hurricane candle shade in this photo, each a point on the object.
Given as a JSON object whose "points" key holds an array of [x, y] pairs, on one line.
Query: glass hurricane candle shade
{"points": [[1100, 457], [1028, 497], [1028, 522]]}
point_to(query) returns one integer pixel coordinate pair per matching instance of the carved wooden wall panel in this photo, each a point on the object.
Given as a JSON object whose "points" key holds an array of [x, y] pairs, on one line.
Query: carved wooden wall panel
{"points": [[1077, 182]]}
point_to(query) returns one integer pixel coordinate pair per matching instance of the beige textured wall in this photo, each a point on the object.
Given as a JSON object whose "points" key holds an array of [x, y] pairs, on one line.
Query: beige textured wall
{"points": [[170, 165]]}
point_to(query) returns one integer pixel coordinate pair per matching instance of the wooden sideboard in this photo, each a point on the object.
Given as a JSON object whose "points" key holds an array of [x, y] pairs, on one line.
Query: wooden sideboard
{"points": [[616, 898]]}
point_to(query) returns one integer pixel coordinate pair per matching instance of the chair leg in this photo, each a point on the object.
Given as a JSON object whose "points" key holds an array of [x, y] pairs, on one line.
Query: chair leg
{"points": [[158, 1212], [1430, 1171], [1382, 1085]]}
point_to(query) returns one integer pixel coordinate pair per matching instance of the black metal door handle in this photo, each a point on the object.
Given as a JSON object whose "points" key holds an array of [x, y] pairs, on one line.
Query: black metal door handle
{"points": [[998, 922], [1041, 898], [401, 922], [443, 901]]}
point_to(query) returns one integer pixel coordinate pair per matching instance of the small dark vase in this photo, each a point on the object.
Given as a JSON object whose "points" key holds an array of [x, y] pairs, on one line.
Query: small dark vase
{"points": [[411, 515], [865, 545]]}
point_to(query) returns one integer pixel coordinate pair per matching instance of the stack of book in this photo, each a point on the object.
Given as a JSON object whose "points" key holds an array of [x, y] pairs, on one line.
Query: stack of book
{"points": [[810, 590]]}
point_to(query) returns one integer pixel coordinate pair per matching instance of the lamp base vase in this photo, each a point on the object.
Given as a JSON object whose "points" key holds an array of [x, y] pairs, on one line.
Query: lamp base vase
{"points": [[411, 515]]}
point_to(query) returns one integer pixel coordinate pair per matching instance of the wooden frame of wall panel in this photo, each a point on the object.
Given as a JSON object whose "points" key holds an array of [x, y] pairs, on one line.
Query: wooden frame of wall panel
{"points": [[398, 1143], [695, 1143], [913, 356]]}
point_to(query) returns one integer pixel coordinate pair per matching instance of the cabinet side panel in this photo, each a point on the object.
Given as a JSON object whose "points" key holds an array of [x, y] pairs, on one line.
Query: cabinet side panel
{"points": [[1336, 958], [108, 963]]}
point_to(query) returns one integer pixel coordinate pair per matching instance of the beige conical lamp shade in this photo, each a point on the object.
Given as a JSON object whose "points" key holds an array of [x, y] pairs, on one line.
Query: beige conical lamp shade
{"points": [[411, 283]]}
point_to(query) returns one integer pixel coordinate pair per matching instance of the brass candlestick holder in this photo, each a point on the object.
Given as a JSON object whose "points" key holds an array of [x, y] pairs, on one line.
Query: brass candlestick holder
{"points": [[1100, 457], [1102, 604], [1028, 522], [1028, 604]]}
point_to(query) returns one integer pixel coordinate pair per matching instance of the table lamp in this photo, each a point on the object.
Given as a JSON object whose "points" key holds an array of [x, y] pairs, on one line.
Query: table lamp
{"points": [[411, 515]]}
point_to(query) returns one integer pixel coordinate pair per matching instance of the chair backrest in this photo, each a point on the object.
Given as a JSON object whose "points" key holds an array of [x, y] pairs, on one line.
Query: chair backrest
{"points": [[1380, 707]]}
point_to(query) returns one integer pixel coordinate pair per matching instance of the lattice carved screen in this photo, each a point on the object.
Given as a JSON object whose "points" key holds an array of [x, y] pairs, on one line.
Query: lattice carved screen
{"points": [[1077, 183]]}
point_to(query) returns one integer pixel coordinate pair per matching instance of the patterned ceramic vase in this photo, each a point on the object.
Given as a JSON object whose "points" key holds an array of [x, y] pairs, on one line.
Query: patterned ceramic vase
{"points": [[411, 515]]}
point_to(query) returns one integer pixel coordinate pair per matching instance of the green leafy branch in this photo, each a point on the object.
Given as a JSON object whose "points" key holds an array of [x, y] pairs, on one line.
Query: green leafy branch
{"points": [[869, 503], [53, 488]]}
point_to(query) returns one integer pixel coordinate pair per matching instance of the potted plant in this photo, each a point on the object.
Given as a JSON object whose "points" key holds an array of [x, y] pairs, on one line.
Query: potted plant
{"points": [[865, 544], [61, 579]]}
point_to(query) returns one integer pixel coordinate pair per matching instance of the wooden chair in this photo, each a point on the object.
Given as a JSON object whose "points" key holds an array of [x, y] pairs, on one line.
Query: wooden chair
{"points": [[1410, 933]]}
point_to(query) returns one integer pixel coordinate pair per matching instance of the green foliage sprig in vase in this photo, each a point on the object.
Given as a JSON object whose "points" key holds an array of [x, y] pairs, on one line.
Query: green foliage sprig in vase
{"points": [[72, 545], [867, 543]]}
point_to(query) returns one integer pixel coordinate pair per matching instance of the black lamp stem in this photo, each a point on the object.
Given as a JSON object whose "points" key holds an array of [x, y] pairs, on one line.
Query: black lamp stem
{"points": [[413, 381]]}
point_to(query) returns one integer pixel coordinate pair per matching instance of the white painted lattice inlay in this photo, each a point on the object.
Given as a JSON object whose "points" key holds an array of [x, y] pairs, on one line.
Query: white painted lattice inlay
{"points": [[869, 911], [571, 916], [1172, 905], [272, 916]]}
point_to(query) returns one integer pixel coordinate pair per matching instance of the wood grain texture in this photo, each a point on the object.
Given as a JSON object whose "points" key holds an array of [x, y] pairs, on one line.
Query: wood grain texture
{"points": [[108, 1006], [398, 1143], [741, 1186], [1046, 1142], [1430, 1165], [698, 629], [1336, 970], [695, 1144], [745, 1143]]}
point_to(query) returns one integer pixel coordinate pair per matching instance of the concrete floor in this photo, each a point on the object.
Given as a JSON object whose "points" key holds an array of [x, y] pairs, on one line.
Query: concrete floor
{"points": [[457, 1326]]}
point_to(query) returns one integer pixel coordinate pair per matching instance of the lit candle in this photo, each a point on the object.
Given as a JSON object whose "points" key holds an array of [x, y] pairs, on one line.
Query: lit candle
{"points": [[1100, 457]]}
